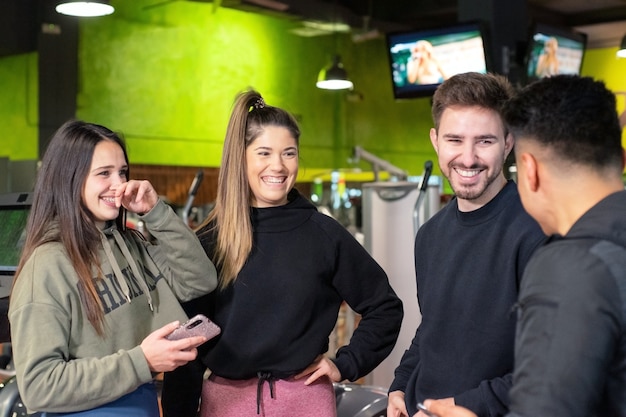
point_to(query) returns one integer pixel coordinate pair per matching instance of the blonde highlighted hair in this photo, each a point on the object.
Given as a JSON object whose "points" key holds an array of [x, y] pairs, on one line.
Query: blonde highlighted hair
{"points": [[230, 218]]}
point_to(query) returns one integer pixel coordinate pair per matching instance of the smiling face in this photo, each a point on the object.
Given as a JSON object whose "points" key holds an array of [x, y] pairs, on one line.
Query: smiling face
{"points": [[272, 166], [471, 146], [108, 168]]}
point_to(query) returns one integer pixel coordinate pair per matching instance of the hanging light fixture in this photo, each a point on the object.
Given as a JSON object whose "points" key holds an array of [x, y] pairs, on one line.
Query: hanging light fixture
{"points": [[621, 52], [85, 8], [334, 77]]}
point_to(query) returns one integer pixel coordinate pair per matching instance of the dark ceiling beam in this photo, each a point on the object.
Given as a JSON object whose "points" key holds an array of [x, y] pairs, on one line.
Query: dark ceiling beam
{"points": [[426, 19], [590, 17], [544, 15], [593, 17], [388, 16]]}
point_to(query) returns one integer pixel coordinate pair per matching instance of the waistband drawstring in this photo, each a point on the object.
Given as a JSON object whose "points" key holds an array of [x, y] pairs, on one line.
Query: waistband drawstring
{"points": [[263, 376]]}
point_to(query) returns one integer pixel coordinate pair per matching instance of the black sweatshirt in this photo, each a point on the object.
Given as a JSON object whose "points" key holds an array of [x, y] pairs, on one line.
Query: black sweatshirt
{"points": [[279, 313], [468, 267]]}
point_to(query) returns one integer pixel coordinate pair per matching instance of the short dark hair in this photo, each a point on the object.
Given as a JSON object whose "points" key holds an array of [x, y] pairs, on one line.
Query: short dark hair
{"points": [[489, 91], [574, 116]]}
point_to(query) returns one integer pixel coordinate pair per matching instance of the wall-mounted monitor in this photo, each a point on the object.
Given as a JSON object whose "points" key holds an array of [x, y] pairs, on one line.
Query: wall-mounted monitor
{"points": [[14, 210], [554, 50], [420, 60]]}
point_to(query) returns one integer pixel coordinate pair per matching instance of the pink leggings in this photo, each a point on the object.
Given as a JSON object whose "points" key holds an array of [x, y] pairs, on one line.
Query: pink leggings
{"points": [[223, 397]]}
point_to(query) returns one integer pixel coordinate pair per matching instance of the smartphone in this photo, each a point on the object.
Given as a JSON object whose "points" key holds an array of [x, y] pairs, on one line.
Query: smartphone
{"points": [[198, 325], [424, 410]]}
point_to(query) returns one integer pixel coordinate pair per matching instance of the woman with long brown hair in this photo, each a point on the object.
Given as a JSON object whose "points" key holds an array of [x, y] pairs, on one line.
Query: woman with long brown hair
{"points": [[92, 302]]}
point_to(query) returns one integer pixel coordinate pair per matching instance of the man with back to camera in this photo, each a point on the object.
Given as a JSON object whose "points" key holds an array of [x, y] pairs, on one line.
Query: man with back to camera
{"points": [[570, 355], [469, 258]]}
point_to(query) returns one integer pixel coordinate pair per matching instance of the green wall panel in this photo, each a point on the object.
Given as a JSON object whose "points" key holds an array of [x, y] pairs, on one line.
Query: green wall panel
{"points": [[18, 107], [165, 74], [166, 77], [604, 64]]}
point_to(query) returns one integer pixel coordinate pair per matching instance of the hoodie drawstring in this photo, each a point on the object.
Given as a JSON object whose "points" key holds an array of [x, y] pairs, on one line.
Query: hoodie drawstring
{"points": [[131, 261], [117, 272], [263, 376]]}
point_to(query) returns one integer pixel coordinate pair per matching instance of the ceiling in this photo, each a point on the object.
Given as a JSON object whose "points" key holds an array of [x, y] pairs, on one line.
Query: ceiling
{"points": [[604, 21]]}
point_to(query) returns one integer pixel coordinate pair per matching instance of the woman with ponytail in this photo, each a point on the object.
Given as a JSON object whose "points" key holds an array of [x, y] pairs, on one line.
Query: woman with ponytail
{"points": [[284, 270]]}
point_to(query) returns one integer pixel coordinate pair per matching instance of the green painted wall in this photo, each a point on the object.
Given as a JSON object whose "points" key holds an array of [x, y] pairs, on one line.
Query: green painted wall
{"points": [[603, 64], [18, 107], [166, 78]]}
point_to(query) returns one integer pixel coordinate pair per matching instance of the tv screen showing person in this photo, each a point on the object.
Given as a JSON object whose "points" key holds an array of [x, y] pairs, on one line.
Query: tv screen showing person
{"points": [[554, 51], [421, 60]]}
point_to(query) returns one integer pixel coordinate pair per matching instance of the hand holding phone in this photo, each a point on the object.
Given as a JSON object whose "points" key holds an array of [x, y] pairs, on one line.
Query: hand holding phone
{"points": [[198, 325], [425, 410]]}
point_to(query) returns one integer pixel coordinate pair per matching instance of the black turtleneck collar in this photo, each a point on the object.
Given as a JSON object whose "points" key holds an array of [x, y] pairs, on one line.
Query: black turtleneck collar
{"points": [[282, 218]]}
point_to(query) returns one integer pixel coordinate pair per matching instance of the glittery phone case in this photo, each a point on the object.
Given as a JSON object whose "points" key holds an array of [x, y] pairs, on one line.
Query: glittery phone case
{"points": [[198, 325]]}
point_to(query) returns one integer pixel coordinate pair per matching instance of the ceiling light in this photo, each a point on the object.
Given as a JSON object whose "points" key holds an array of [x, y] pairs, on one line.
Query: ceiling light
{"points": [[85, 8], [334, 77], [621, 52]]}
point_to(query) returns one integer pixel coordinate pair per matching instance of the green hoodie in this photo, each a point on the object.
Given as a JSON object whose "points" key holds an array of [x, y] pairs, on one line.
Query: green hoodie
{"points": [[61, 363]]}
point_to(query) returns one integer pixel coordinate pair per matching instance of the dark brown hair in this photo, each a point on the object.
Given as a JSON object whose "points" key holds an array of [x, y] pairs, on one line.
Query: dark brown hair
{"points": [[489, 91], [58, 213]]}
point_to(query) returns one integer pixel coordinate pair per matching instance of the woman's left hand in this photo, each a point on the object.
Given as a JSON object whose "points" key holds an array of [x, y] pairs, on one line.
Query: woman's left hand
{"points": [[137, 196], [320, 367]]}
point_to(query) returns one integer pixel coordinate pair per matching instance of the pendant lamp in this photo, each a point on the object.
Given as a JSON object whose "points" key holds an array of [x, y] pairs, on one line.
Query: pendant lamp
{"points": [[85, 8], [334, 77], [621, 52]]}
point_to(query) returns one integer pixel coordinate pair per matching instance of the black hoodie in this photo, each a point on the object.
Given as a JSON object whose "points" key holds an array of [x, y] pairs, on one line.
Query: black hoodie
{"points": [[280, 311]]}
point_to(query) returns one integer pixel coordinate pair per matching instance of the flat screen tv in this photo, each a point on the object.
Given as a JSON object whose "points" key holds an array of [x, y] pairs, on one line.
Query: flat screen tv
{"points": [[554, 50], [420, 60], [14, 210]]}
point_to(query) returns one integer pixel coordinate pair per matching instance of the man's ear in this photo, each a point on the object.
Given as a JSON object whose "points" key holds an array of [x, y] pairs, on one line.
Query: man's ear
{"points": [[530, 171], [433, 139], [509, 142]]}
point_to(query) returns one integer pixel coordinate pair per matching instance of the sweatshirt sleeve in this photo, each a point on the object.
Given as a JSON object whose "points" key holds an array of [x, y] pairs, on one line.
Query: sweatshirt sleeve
{"points": [[48, 376], [409, 362], [178, 254], [490, 398], [364, 286]]}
